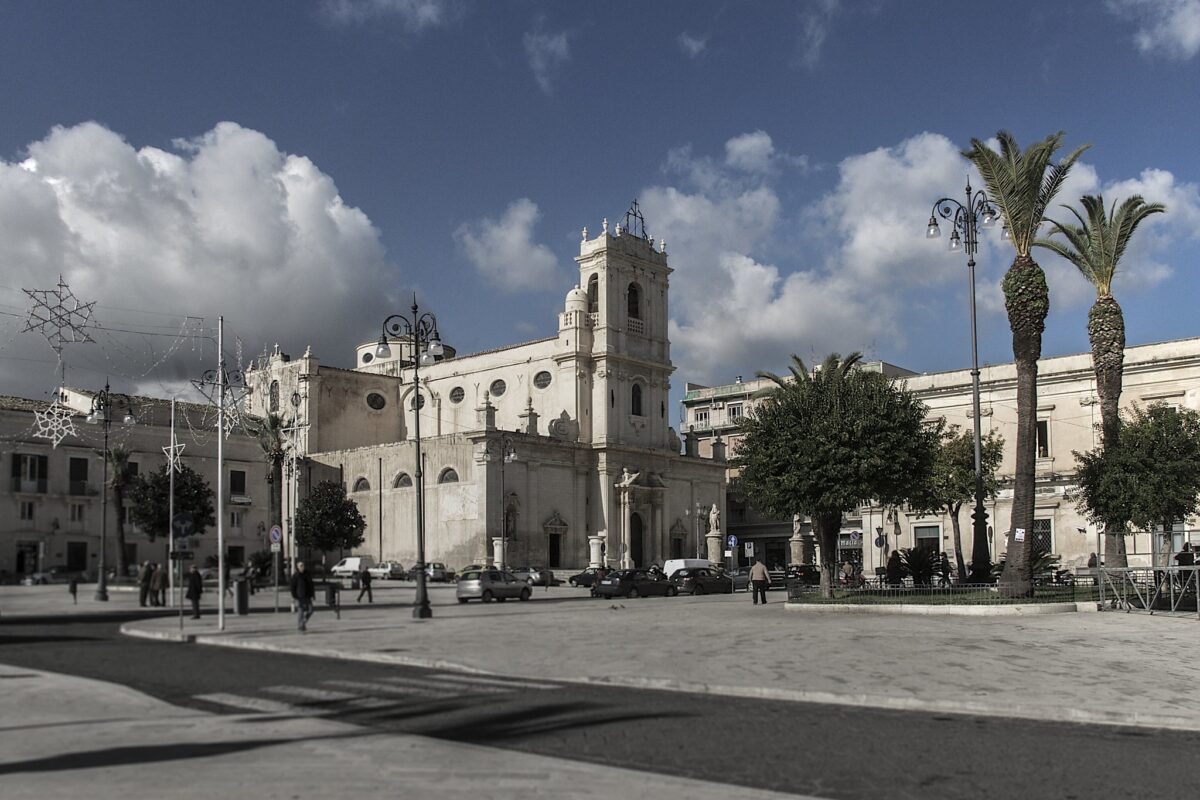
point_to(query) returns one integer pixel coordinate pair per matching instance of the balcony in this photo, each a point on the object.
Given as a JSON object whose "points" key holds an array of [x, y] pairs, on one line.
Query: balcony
{"points": [[29, 485], [82, 489], [240, 499]]}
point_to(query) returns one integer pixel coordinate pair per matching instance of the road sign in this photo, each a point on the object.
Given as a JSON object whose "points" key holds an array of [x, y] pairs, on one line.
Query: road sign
{"points": [[183, 544], [276, 534], [749, 548], [880, 541], [855, 537], [182, 555], [182, 524], [729, 554], [276, 547], [731, 541]]}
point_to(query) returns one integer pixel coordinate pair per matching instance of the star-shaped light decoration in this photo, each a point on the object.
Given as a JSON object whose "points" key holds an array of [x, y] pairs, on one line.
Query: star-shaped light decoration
{"points": [[58, 315], [55, 422], [173, 451]]}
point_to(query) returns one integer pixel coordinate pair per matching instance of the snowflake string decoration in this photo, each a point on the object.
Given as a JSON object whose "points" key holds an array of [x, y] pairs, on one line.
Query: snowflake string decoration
{"points": [[58, 315], [173, 452], [55, 423]]}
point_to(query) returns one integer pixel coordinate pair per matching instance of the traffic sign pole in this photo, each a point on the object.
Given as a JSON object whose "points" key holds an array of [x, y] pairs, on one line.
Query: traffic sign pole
{"points": [[276, 539]]}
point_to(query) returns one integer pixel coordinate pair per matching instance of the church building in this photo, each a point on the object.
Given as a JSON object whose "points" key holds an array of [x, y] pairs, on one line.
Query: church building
{"points": [[555, 452]]}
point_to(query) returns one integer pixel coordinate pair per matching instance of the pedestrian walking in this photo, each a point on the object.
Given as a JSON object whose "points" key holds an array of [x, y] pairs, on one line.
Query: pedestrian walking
{"points": [[73, 588], [144, 583], [228, 583], [158, 585], [302, 592], [944, 569], [195, 588], [894, 570], [364, 581], [760, 579]]}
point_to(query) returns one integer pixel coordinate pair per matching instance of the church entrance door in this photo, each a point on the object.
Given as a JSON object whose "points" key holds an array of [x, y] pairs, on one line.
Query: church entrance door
{"points": [[637, 549]]}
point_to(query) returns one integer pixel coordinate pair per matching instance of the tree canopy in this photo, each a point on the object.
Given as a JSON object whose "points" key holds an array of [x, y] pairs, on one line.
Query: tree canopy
{"points": [[328, 520], [150, 496], [825, 443]]}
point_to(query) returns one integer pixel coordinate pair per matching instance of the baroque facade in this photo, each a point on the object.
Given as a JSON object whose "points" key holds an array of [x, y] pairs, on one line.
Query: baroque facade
{"points": [[554, 452], [1068, 412]]}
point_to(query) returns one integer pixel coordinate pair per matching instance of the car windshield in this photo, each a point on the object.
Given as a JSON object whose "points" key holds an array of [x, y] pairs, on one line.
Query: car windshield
{"points": [[470, 576]]}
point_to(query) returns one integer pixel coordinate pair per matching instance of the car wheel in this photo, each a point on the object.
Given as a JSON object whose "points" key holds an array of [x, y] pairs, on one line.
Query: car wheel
{"points": [[462, 599], [572, 582], [634, 593], [487, 596], [525, 593], [698, 589], [672, 591]]}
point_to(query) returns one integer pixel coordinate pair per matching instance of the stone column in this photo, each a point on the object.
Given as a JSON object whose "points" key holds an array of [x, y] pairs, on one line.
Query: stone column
{"points": [[595, 559], [626, 561], [498, 550], [715, 554], [660, 533]]}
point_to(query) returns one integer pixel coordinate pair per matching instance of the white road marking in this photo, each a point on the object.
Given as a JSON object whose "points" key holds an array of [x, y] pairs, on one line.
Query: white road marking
{"points": [[256, 704], [511, 683], [392, 689]]}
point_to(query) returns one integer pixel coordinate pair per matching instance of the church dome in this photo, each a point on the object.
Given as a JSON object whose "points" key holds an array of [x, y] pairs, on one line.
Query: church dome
{"points": [[577, 300]]}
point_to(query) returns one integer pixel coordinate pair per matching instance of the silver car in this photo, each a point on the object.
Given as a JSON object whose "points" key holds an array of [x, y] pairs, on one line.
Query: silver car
{"points": [[491, 584]]}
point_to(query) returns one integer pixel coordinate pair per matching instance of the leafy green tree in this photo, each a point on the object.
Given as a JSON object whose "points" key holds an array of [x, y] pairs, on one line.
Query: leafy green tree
{"points": [[1023, 184], [952, 483], [328, 520], [150, 495], [1095, 247], [823, 444], [1151, 476]]}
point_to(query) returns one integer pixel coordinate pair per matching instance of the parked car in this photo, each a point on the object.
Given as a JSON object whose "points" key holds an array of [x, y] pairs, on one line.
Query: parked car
{"points": [[585, 578], [634, 583], [56, 574], [741, 578], [491, 584], [387, 571], [701, 580], [350, 565], [534, 576], [436, 571]]}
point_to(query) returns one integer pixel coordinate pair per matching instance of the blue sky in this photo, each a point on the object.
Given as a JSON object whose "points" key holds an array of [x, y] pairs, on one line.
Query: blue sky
{"points": [[300, 167]]}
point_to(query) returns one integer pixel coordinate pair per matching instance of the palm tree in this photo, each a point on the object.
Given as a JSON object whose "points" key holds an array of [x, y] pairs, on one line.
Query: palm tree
{"points": [[1095, 247], [271, 439], [1022, 184], [119, 480]]}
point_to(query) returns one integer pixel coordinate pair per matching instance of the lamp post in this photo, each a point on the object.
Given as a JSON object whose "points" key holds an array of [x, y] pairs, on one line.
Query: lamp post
{"points": [[965, 221], [502, 450], [101, 413], [421, 331]]}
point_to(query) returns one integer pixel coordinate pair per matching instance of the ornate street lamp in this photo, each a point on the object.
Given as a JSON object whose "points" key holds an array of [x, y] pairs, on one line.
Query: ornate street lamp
{"points": [[502, 450], [422, 333], [101, 413], [965, 221]]}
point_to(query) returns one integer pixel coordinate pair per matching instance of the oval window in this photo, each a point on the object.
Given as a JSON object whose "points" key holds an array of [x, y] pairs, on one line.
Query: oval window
{"points": [[497, 388], [367, 358], [457, 394], [376, 401], [542, 379], [418, 402]]}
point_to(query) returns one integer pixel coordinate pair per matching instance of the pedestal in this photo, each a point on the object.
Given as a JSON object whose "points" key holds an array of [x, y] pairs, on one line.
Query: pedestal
{"points": [[498, 554], [796, 546], [715, 554], [595, 551]]}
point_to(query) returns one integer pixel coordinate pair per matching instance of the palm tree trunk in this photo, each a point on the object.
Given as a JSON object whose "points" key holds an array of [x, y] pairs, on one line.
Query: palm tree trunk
{"points": [[118, 494], [953, 508], [1106, 331], [1027, 300], [827, 526]]}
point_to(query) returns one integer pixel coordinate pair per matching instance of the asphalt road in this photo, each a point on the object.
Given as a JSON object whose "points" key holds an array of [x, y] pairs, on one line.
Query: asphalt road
{"points": [[823, 750]]}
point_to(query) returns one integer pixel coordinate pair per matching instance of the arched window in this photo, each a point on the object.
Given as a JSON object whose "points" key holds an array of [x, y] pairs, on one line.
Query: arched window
{"points": [[448, 476], [403, 481], [635, 400], [635, 301], [593, 294], [274, 397], [362, 485]]}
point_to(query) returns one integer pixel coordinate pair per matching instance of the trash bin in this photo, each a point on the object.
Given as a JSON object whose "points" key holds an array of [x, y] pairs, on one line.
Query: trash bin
{"points": [[331, 594], [241, 596]]}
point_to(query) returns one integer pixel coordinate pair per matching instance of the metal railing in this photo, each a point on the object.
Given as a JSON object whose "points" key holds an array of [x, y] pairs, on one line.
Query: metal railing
{"points": [[878, 592], [81, 488], [29, 485], [1151, 589]]}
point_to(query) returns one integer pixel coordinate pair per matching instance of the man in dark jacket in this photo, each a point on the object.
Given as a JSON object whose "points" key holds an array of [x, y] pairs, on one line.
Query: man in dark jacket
{"points": [[195, 588], [144, 583], [303, 593], [364, 580]]}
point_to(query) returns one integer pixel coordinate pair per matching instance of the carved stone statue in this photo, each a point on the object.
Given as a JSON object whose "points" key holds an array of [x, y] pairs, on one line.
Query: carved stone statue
{"points": [[628, 478], [714, 519]]}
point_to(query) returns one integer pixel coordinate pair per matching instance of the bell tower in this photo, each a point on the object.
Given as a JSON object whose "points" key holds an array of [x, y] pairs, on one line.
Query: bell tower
{"points": [[624, 276]]}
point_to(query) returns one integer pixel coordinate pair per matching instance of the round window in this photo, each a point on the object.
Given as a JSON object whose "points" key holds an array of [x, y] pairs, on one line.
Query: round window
{"points": [[376, 401], [367, 358], [457, 394], [418, 402], [497, 388], [542, 379]]}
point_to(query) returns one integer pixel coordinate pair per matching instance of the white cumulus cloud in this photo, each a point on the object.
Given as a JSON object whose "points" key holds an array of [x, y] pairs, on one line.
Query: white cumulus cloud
{"points": [[503, 250], [227, 224], [1167, 28]]}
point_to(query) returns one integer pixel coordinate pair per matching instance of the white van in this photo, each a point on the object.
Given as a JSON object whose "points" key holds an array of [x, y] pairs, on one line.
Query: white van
{"points": [[348, 566], [672, 565]]}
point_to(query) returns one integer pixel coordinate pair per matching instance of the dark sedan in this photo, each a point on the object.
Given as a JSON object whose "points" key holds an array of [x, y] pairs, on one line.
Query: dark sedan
{"points": [[701, 580], [634, 583], [585, 578]]}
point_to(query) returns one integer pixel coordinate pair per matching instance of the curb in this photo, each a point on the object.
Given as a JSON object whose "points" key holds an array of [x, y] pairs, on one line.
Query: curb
{"points": [[1017, 610], [162, 636], [861, 700]]}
